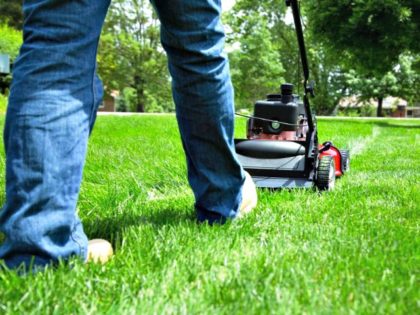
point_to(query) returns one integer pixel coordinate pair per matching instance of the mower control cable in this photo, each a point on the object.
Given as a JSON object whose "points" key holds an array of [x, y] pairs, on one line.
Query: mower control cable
{"points": [[270, 120]]}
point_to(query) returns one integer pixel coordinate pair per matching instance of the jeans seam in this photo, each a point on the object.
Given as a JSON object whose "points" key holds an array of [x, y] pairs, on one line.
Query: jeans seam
{"points": [[94, 96], [73, 236]]}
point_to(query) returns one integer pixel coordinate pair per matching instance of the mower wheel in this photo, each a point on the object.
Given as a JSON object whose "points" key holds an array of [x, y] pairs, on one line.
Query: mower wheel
{"points": [[325, 179], [345, 160]]}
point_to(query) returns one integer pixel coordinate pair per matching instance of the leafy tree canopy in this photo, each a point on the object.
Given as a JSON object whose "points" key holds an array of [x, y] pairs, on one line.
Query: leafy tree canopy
{"points": [[255, 66], [369, 35]]}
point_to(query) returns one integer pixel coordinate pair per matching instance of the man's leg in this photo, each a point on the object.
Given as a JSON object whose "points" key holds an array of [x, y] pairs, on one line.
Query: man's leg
{"points": [[51, 111], [193, 37]]}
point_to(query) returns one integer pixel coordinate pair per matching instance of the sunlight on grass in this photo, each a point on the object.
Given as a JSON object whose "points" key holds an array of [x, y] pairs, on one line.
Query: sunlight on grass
{"points": [[352, 250]]}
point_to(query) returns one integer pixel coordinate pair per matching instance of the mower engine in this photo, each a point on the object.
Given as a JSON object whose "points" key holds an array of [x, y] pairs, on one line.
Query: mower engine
{"points": [[280, 117]]}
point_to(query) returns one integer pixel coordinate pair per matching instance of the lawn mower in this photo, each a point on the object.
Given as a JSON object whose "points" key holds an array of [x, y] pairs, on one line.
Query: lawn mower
{"points": [[281, 149]]}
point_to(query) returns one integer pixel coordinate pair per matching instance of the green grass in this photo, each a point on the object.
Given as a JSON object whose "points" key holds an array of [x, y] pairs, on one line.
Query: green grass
{"points": [[351, 251]]}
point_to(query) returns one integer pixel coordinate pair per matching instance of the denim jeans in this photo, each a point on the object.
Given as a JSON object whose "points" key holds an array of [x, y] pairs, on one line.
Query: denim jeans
{"points": [[52, 109]]}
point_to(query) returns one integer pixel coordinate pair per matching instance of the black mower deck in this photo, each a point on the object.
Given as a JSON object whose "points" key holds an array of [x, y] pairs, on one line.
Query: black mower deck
{"points": [[274, 164]]}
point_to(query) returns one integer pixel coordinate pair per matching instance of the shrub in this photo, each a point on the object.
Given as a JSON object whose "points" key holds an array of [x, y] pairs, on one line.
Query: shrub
{"points": [[128, 100], [3, 104], [10, 41]]}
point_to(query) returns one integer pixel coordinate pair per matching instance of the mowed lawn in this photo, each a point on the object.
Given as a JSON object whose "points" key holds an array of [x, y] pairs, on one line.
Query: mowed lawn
{"points": [[354, 250]]}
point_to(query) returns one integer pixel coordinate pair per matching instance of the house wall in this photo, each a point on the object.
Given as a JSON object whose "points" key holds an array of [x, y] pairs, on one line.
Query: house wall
{"points": [[413, 112], [400, 111], [108, 105]]}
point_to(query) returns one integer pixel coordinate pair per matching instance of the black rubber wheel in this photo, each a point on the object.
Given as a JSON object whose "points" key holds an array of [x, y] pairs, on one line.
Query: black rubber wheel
{"points": [[325, 179], [345, 160]]}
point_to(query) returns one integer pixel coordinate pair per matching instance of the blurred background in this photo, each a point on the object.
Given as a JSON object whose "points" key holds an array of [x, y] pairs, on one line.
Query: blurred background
{"points": [[364, 55]]}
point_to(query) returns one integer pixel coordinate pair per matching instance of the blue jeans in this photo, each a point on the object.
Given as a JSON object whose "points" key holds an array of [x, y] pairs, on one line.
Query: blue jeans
{"points": [[52, 110]]}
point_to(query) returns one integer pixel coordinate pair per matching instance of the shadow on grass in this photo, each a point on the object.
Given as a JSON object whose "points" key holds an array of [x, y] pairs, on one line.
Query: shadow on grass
{"points": [[386, 124], [113, 227]]}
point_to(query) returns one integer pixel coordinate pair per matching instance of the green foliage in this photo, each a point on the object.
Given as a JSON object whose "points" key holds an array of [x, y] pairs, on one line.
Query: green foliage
{"points": [[402, 81], [328, 77], [407, 74], [371, 87], [111, 68], [367, 35], [10, 41], [120, 105], [255, 67], [374, 43], [366, 110], [11, 13], [127, 102], [157, 104]]}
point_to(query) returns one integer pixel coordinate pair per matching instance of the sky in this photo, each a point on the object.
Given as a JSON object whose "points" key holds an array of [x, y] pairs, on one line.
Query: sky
{"points": [[227, 4]]}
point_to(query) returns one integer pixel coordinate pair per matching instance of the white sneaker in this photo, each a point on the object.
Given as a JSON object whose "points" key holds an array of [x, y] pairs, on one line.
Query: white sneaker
{"points": [[99, 251], [249, 196]]}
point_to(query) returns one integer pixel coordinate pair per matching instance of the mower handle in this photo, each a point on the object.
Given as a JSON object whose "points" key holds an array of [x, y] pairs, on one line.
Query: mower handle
{"points": [[309, 89], [299, 32]]}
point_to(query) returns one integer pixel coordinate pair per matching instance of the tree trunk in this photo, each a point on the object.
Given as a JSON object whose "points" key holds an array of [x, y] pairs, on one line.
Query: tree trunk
{"points": [[140, 100], [140, 108], [139, 86], [379, 109]]}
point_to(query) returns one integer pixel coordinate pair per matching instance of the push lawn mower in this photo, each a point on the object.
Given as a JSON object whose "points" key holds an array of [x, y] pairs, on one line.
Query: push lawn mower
{"points": [[281, 149]]}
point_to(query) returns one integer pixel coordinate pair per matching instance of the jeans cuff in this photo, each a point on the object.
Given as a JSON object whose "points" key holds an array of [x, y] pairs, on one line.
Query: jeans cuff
{"points": [[211, 217]]}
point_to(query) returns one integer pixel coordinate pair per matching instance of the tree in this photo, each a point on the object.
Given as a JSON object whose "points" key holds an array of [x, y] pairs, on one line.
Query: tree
{"points": [[372, 88], [369, 34], [255, 66], [408, 77], [130, 55], [402, 81], [368, 37], [329, 79], [11, 13]]}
